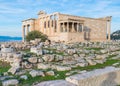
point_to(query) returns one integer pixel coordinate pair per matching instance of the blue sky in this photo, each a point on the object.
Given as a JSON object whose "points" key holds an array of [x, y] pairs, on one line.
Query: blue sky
{"points": [[12, 12]]}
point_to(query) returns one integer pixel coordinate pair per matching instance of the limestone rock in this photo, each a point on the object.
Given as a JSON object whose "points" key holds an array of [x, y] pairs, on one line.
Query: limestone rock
{"points": [[59, 58], [40, 60], [62, 68], [91, 62], [101, 56], [82, 64], [43, 66], [10, 82], [24, 77], [36, 50], [32, 59], [7, 50], [5, 77], [103, 51], [48, 58], [71, 51], [50, 73], [13, 70], [35, 73]]}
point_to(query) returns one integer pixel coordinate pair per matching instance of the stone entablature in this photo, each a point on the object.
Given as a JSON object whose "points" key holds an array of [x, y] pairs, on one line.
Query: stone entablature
{"points": [[64, 27]]}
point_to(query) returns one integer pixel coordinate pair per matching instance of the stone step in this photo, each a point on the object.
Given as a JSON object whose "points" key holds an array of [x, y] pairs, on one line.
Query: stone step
{"points": [[108, 76]]}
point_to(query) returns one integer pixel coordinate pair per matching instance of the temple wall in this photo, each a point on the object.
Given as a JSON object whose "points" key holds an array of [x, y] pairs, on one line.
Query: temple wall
{"points": [[97, 27]]}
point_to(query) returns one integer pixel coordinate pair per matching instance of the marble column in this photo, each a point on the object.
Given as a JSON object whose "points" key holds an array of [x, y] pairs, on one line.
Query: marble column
{"points": [[23, 33], [73, 30], [68, 27], [77, 27], [46, 30], [50, 27], [63, 27], [109, 28], [82, 27], [44, 26], [27, 29]]}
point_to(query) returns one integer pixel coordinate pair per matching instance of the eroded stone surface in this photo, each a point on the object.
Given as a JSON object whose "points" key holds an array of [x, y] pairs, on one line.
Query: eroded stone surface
{"points": [[55, 83], [108, 76], [10, 82]]}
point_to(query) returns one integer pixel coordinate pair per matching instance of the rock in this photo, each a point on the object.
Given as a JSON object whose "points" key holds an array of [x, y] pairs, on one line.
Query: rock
{"points": [[35, 73], [91, 57], [22, 72], [75, 55], [67, 62], [71, 51], [101, 56], [32, 60], [40, 45], [69, 73], [80, 60], [99, 61], [115, 64], [5, 73], [55, 83], [62, 68], [17, 55], [36, 50], [82, 55], [43, 66], [13, 70], [28, 66], [7, 50], [86, 51], [116, 57], [40, 60], [10, 82], [91, 62], [48, 58], [47, 42], [82, 64], [103, 51], [50, 73], [59, 58], [5, 77], [24, 77], [84, 71]]}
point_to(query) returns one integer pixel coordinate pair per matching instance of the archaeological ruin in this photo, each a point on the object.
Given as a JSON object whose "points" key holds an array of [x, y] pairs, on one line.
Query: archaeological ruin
{"points": [[69, 28]]}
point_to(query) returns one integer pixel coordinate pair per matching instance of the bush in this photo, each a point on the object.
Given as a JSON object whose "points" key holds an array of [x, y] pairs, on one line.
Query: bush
{"points": [[36, 34]]}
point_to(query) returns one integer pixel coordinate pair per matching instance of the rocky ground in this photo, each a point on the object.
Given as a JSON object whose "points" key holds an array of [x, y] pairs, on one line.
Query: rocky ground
{"points": [[29, 63]]}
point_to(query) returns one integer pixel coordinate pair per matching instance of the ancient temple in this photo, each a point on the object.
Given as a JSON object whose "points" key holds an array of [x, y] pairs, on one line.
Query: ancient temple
{"points": [[69, 28]]}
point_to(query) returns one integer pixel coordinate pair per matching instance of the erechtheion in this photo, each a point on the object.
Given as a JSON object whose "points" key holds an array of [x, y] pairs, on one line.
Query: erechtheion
{"points": [[64, 27]]}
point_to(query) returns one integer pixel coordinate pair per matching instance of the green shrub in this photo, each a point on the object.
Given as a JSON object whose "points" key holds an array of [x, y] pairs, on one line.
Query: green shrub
{"points": [[36, 34]]}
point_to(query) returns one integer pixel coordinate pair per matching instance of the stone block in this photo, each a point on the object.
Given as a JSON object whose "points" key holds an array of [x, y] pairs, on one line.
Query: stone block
{"points": [[55, 83], [108, 76]]}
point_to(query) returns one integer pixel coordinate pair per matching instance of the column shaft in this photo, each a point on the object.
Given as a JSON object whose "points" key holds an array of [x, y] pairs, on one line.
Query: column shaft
{"points": [[73, 27], [63, 27], [77, 27], [109, 25], [23, 34], [27, 30], [67, 26]]}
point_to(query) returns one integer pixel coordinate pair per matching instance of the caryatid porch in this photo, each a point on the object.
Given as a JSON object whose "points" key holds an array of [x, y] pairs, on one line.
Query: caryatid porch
{"points": [[71, 25]]}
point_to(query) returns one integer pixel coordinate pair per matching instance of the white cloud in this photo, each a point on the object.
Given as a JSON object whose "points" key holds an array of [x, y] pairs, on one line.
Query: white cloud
{"points": [[5, 8]]}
